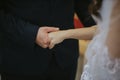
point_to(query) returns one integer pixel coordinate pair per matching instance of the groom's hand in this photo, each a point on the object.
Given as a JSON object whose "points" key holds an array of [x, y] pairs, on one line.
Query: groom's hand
{"points": [[42, 38]]}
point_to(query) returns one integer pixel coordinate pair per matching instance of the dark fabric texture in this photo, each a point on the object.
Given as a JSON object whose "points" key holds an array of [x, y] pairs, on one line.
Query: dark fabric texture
{"points": [[19, 23], [54, 72]]}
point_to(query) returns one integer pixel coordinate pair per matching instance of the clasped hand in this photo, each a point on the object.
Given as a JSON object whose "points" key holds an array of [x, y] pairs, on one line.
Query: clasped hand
{"points": [[48, 37]]}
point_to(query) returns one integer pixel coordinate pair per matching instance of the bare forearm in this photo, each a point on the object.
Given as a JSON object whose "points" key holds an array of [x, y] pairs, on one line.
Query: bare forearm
{"points": [[82, 33]]}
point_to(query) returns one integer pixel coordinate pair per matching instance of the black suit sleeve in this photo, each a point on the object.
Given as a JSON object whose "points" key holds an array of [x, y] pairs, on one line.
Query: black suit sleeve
{"points": [[81, 8], [17, 30]]}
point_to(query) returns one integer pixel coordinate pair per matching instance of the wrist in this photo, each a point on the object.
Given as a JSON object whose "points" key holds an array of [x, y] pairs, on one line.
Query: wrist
{"points": [[68, 34]]}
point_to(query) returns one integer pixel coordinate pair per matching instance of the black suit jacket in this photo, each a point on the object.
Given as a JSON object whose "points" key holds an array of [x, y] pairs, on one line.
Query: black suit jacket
{"points": [[19, 23]]}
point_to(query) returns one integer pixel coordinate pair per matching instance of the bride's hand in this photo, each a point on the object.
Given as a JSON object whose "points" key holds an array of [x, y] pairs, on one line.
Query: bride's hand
{"points": [[56, 38]]}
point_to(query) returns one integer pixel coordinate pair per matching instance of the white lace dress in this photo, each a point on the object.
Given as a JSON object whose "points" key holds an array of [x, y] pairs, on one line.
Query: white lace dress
{"points": [[99, 65]]}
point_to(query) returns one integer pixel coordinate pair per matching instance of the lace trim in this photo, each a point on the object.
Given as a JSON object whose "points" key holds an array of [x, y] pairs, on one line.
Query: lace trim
{"points": [[86, 75], [113, 65]]}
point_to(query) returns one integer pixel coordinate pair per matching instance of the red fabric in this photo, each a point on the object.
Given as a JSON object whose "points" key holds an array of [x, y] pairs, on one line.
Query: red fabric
{"points": [[77, 23]]}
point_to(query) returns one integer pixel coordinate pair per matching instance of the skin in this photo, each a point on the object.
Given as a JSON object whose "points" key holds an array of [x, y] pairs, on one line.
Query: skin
{"points": [[113, 38], [82, 33], [42, 38]]}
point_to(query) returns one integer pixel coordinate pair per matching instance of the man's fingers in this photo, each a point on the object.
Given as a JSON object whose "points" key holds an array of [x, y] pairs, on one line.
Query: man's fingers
{"points": [[51, 29], [44, 46], [43, 38]]}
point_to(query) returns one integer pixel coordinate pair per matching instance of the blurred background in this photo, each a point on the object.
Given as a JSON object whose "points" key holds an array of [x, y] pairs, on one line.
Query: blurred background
{"points": [[82, 48]]}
